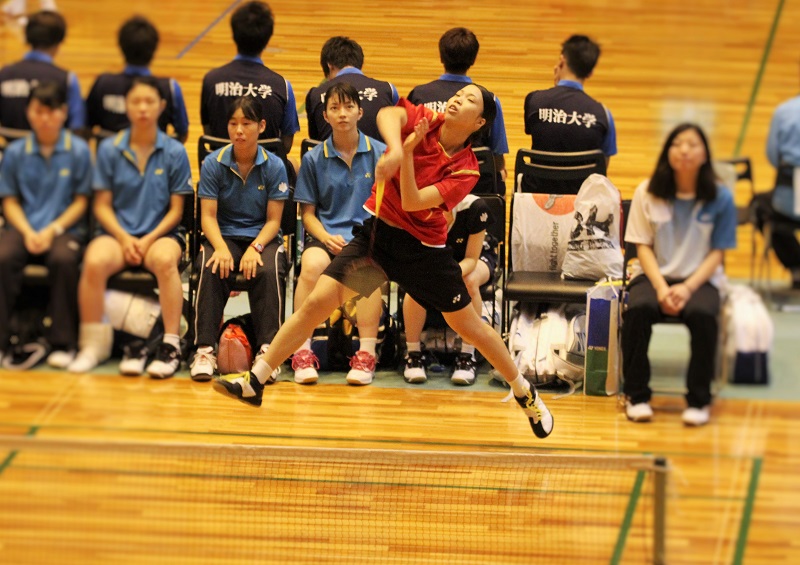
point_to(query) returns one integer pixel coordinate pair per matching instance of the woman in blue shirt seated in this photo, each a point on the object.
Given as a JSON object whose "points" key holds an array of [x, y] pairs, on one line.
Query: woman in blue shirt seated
{"points": [[242, 192], [682, 222], [140, 180]]}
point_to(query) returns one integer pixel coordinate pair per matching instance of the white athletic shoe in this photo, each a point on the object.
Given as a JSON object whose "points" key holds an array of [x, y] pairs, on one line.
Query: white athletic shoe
{"points": [[362, 368], [305, 365], [203, 365], [696, 416], [640, 412], [61, 359]]}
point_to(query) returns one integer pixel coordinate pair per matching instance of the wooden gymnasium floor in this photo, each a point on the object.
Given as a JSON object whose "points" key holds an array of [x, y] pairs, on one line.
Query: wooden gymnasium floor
{"points": [[733, 492]]}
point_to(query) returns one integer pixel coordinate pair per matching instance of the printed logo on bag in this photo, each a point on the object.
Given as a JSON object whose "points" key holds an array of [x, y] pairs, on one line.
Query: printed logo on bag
{"points": [[590, 224]]}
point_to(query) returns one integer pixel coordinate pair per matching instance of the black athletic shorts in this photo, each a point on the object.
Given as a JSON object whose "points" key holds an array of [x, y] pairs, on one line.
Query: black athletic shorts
{"points": [[429, 274], [312, 241]]}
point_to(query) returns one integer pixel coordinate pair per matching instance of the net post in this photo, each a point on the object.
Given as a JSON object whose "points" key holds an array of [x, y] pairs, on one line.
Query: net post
{"points": [[660, 474]]}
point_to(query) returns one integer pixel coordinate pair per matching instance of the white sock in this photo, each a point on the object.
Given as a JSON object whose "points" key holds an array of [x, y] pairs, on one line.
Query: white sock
{"points": [[172, 339], [368, 344], [413, 346], [306, 345], [467, 348], [261, 370], [520, 386]]}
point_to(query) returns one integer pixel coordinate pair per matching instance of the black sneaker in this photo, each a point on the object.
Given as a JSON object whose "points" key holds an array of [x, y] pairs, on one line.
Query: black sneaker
{"points": [[464, 370], [414, 371], [244, 387], [167, 361], [539, 416], [134, 358]]}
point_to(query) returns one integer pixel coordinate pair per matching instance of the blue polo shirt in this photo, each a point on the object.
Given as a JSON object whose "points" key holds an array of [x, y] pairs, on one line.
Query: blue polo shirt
{"points": [[339, 191], [141, 201], [242, 203], [783, 151], [76, 116], [46, 187]]}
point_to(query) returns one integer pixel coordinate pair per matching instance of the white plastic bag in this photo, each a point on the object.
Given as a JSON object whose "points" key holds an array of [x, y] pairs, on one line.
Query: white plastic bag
{"points": [[132, 313], [540, 231], [594, 251]]}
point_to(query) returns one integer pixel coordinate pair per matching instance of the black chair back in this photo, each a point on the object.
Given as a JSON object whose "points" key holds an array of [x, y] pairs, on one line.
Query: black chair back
{"points": [[487, 184], [307, 145], [556, 173]]}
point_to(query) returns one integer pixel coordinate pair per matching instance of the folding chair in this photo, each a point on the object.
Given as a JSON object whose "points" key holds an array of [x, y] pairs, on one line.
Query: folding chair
{"points": [[553, 174], [556, 173], [307, 145], [487, 184]]}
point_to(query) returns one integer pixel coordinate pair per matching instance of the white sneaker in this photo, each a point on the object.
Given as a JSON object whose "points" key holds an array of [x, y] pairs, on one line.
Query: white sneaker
{"points": [[414, 371], [464, 370], [696, 416], [167, 361], [305, 365], [640, 412], [362, 368], [84, 361], [134, 358], [203, 365], [61, 359]]}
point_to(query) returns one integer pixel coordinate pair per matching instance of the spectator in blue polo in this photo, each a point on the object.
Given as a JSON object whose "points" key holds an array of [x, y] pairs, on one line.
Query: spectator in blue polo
{"points": [[141, 178], [242, 191], [45, 183], [44, 32], [334, 182]]}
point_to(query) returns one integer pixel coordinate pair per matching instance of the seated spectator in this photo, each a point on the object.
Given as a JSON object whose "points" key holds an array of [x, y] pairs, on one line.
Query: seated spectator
{"points": [[140, 180], [45, 183], [252, 24], [564, 119], [138, 40], [242, 192], [44, 32], [458, 49], [334, 182], [466, 236], [682, 222], [341, 59], [783, 151]]}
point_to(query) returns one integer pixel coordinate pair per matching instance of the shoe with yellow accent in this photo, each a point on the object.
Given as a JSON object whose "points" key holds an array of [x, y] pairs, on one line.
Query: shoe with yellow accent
{"points": [[539, 416], [241, 386]]}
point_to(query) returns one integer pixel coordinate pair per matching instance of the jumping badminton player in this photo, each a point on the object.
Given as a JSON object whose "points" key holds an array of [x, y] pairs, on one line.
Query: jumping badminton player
{"points": [[428, 167]]}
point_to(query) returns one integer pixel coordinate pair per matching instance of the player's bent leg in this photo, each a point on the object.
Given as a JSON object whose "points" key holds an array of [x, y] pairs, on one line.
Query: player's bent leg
{"points": [[248, 387], [467, 324]]}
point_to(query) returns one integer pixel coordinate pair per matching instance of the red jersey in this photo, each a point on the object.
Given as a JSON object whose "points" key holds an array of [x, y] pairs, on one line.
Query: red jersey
{"points": [[454, 176]]}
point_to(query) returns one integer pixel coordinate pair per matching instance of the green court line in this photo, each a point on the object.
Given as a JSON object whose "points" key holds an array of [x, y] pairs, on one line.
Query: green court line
{"points": [[747, 512], [10, 458], [355, 440], [759, 75], [619, 548]]}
